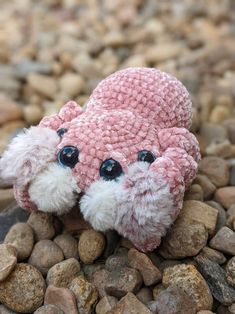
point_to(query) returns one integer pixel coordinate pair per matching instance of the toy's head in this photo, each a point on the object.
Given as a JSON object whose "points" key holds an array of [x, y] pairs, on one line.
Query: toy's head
{"points": [[107, 155]]}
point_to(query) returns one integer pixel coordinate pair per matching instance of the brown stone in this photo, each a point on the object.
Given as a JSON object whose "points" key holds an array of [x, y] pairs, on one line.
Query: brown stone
{"points": [[63, 298], [207, 186], [224, 241], [85, 293], [145, 295], [6, 198], [21, 237], [100, 278], [9, 110], [68, 245], [216, 169], [150, 273], [5, 310], [45, 254], [43, 84], [123, 281], [190, 280], [225, 196], [24, 289], [230, 271], [213, 255], [200, 212], [42, 225], [49, 309], [32, 114], [62, 274], [74, 222], [8, 260], [105, 304], [91, 245], [194, 192], [129, 304], [174, 300]]}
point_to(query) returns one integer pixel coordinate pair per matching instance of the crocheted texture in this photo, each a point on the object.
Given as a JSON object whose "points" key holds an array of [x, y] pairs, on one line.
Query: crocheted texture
{"points": [[132, 110]]}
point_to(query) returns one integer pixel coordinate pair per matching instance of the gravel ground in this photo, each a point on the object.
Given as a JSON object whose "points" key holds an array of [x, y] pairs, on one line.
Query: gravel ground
{"points": [[56, 50]]}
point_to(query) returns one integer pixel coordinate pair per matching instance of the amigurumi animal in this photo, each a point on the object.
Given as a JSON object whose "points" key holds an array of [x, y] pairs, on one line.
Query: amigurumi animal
{"points": [[128, 157]]}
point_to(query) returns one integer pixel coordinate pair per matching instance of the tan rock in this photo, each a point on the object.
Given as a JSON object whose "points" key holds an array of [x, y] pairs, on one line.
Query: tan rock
{"points": [[157, 289], [100, 278], [105, 304], [24, 289], [225, 196], [43, 84], [190, 280], [63, 298], [207, 186], [32, 114], [21, 237], [150, 273], [200, 212], [131, 305], [71, 83], [49, 309], [224, 241], [45, 254], [194, 192], [85, 293], [62, 274], [163, 52], [91, 245], [145, 295], [42, 225], [219, 114], [68, 245], [8, 260], [216, 169], [6, 198], [9, 110], [213, 255]]}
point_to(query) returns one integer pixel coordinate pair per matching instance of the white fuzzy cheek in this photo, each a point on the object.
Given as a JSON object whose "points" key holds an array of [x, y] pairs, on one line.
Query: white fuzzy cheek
{"points": [[54, 190], [99, 204]]}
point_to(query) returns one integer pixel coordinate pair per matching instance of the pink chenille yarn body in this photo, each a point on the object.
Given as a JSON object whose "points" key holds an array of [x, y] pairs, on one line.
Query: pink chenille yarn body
{"points": [[128, 157]]}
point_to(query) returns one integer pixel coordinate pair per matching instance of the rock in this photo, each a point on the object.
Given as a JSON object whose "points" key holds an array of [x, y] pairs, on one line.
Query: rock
{"points": [[105, 304], [112, 241], [222, 149], [157, 290], [207, 186], [232, 176], [190, 280], [150, 273], [225, 196], [216, 169], [219, 114], [224, 241], [49, 309], [230, 271], [62, 298], [221, 219], [25, 67], [24, 289], [85, 66], [91, 245], [231, 308], [114, 39], [74, 222], [85, 293], [43, 84], [9, 110], [174, 300], [4, 310], [117, 260], [129, 304], [213, 255], [32, 114], [201, 213], [45, 254], [10, 217], [62, 274], [8, 260], [145, 295], [68, 245], [212, 132], [42, 225], [163, 52], [71, 83], [100, 278], [216, 279], [90, 269], [122, 281], [194, 192], [205, 312], [185, 238], [223, 310], [6, 198], [21, 237]]}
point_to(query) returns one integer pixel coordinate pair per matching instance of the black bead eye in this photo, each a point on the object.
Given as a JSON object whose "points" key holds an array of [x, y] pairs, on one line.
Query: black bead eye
{"points": [[61, 132], [110, 169], [68, 156], [146, 155]]}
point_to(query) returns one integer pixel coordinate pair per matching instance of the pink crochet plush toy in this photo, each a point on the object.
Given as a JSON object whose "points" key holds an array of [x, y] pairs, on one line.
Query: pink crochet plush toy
{"points": [[127, 158]]}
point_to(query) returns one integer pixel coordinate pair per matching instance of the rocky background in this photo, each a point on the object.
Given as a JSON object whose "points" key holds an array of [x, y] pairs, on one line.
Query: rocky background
{"points": [[55, 50]]}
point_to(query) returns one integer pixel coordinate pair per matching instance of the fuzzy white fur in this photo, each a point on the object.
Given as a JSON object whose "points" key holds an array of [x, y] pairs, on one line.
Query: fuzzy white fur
{"points": [[27, 154], [99, 204], [54, 190]]}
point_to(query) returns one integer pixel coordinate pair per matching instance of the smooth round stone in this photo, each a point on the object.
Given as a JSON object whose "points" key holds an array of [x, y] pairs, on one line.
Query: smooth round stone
{"points": [[21, 237], [68, 245], [42, 225], [45, 254], [24, 289], [8, 259], [49, 309], [91, 245]]}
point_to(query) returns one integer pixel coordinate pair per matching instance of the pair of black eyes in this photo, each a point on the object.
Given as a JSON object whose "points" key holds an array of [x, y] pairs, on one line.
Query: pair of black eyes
{"points": [[110, 169]]}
